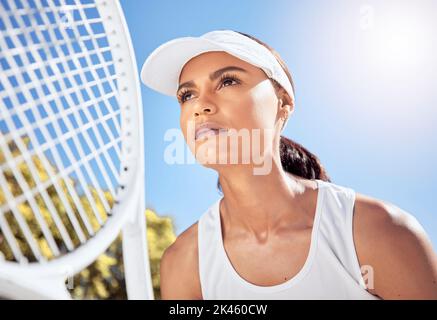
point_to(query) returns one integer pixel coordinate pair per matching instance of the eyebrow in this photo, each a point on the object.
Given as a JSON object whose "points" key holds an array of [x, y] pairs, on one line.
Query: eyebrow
{"points": [[214, 75]]}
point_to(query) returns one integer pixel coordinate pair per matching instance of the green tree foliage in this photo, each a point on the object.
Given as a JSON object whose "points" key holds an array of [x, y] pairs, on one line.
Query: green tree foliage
{"points": [[104, 278]]}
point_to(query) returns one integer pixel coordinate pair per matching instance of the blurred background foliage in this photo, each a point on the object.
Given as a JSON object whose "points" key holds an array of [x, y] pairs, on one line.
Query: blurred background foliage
{"points": [[104, 278]]}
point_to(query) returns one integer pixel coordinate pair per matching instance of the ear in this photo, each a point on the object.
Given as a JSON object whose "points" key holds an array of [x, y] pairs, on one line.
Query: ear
{"points": [[284, 111], [285, 107], [285, 104]]}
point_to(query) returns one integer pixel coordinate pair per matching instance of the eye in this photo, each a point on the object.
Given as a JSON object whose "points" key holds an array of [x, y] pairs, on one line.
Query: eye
{"points": [[229, 78], [225, 78], [182, 95]]}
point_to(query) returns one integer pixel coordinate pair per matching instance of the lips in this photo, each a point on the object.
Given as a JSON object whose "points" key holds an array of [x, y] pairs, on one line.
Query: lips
{"points": [[207, 129]]}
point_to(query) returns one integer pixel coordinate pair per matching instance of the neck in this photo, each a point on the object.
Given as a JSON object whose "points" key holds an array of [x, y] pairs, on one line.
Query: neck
{"points": [[261, 204]]}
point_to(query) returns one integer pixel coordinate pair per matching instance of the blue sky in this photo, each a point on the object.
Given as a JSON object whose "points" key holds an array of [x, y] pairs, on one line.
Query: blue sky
{"points": [[364, 72]]}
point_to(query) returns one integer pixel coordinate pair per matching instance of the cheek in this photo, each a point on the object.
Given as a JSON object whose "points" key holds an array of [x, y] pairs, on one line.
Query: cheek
{"points": [[184, 123], [259, 110], [188, 128]]}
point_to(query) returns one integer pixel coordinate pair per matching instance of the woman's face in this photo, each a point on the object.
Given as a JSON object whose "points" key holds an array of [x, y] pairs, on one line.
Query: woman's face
{"points": [[239, 97]]}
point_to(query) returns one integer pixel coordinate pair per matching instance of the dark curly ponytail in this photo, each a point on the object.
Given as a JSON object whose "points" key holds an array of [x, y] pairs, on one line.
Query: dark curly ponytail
{"points": [[295, 159]]}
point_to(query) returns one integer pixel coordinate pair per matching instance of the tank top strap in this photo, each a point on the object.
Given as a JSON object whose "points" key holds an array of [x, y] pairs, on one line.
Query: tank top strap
{"points": [[336, 228], [210, 263]]}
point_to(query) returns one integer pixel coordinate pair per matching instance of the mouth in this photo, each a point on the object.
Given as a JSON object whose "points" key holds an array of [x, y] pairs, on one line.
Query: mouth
{"points": [[207, 132]]}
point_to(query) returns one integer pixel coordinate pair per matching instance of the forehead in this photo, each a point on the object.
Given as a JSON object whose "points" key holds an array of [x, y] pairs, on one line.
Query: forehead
{"points": [[205, 63]]}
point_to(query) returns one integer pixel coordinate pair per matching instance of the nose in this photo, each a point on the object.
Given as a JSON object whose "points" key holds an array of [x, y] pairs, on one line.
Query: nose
{"points": [[204, 108]]}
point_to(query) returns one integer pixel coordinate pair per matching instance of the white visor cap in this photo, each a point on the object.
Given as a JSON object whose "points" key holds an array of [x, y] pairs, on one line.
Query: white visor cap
{"points": [[163, 66]]}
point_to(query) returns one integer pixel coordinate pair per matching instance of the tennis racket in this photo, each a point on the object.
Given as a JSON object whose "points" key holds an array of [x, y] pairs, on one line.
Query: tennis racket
{"points": [[71, 146]]}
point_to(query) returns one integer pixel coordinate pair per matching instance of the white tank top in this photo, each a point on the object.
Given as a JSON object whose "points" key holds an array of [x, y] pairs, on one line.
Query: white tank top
{"points": [[331, 270]]}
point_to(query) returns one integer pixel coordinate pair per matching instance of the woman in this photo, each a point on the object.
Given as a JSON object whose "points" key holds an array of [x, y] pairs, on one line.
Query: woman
{"points": [[285, 231]]}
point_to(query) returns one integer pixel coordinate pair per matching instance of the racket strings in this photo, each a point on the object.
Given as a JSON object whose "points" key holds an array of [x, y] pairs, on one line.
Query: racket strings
{"points": [[60, 122]]}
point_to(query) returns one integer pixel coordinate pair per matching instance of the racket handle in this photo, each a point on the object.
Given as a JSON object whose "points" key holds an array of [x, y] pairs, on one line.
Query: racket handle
{"points": [[136, 257]]}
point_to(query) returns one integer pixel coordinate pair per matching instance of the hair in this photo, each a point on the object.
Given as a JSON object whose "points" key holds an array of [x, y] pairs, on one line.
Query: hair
{"points": [[295, 158]]}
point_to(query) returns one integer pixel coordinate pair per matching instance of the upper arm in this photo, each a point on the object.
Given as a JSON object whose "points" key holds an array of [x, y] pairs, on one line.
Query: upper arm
{"points": [[179, 270], [396, 251]]}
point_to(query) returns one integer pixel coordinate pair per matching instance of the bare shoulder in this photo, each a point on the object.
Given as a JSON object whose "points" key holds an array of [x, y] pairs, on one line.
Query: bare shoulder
{"points": [[179, 268], [397, 250]]}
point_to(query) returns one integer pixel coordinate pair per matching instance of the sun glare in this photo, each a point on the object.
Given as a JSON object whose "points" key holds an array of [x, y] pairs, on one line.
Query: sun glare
{"points": [[399, 41]]}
